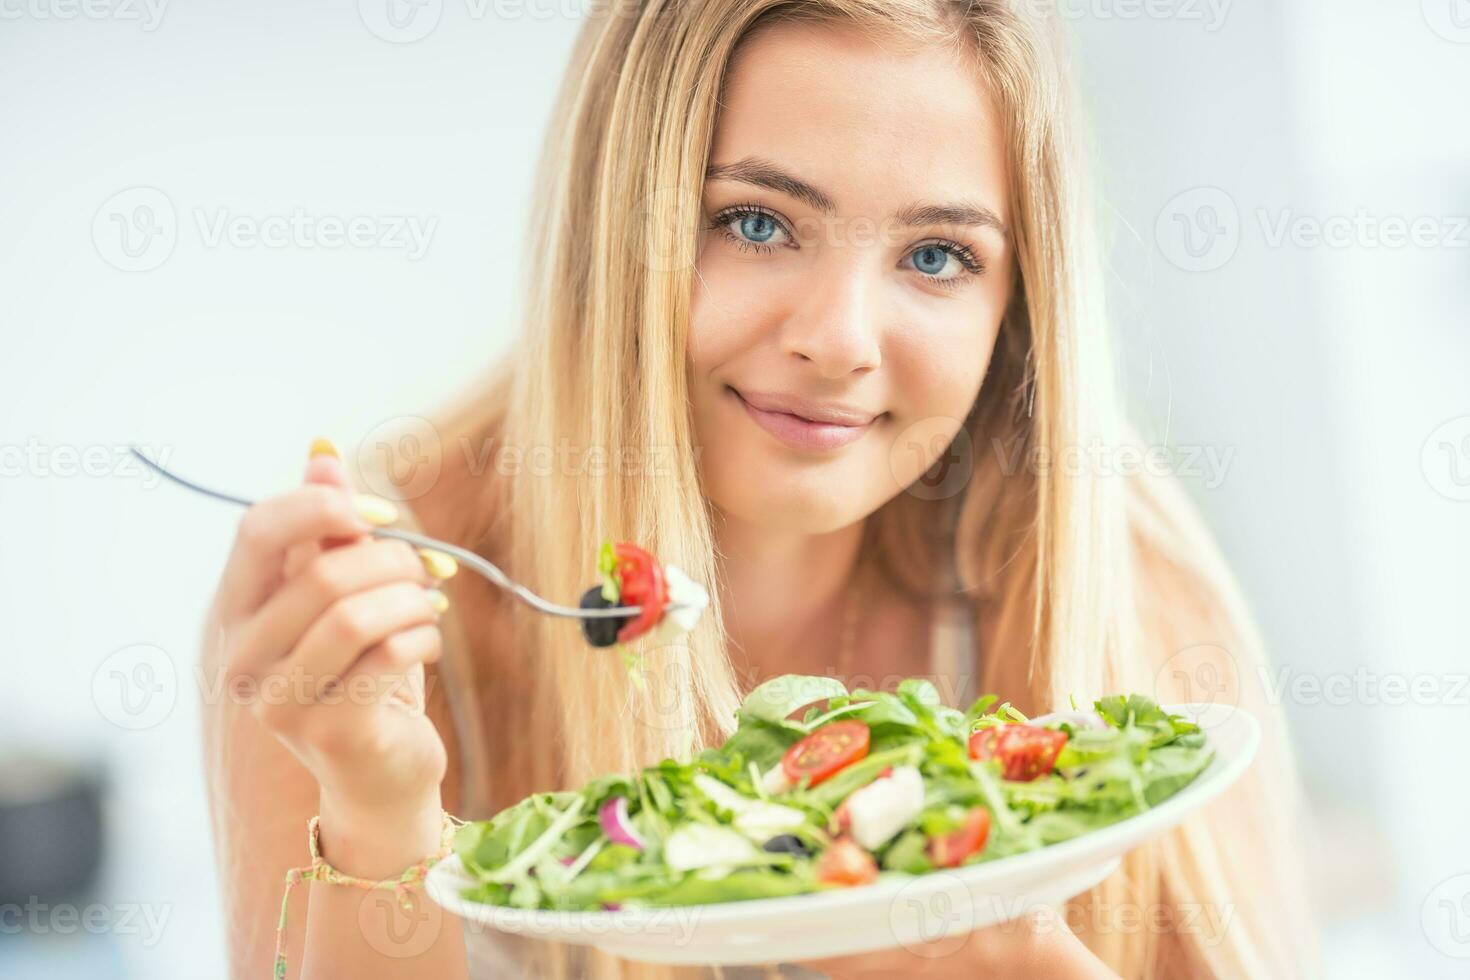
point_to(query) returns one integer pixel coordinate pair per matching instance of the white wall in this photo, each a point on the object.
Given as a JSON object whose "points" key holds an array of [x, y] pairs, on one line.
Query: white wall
{"points": [[229, 358], [1327, 368]]}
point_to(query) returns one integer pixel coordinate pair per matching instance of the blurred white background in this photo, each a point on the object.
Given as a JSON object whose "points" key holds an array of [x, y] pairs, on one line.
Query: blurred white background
{"points": [[1286, 195]]}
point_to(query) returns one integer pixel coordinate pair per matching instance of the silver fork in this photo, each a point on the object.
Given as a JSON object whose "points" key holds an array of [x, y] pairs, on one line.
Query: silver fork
{"points": [[465, 557]]}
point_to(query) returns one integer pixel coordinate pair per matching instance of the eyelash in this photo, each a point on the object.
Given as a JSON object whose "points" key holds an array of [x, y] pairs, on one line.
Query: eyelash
{"points": [[721, 221]]}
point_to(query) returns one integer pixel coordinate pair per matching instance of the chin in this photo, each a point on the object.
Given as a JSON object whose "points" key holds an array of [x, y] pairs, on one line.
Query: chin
{"points": [[809, 499]]}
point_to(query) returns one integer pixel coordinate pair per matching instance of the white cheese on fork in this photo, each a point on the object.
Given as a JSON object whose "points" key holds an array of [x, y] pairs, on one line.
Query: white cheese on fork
{"points": [[687, 602]]}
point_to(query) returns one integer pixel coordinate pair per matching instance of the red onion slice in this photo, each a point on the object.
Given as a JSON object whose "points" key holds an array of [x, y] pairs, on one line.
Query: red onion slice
{"points": [[613, 817]]}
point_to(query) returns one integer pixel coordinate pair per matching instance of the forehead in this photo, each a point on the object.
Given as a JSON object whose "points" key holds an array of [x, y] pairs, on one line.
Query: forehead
{"points": [[870, 121]]}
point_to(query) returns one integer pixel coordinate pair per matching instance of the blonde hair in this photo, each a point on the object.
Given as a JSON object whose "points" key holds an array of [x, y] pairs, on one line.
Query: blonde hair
{"points": [[1095, 582]]}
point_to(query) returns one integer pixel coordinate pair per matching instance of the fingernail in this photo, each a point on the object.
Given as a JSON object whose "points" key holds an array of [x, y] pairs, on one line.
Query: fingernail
{"points": [[324, 447], [438, 600], [438, 564], [375, 510]]}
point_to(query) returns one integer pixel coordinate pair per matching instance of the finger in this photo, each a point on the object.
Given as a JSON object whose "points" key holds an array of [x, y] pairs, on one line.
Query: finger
{"points": [[399, 652], [357, 623], [323, 467], [280, 624], [273, 526]]}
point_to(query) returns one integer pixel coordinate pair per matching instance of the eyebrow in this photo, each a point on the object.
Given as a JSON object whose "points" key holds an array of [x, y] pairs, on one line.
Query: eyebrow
{"points": [[763, 173]]}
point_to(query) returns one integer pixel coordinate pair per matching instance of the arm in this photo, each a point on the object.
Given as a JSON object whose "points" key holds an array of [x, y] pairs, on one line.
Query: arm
{"points": [[315, 658]]}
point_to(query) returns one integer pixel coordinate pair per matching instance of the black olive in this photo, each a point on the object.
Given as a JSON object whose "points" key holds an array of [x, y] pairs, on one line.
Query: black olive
{"points": [[787, 844], [601, 632]]}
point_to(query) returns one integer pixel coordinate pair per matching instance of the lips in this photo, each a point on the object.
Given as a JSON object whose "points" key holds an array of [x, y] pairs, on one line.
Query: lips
{"points": [[805, 425]]}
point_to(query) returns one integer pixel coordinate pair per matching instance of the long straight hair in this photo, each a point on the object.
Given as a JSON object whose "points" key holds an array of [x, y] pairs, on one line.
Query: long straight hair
{"points": [[1093, 582]]}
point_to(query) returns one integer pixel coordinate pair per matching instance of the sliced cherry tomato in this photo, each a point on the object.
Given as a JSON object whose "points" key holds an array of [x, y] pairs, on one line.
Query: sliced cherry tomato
{"points": [[641, 581], [1025, 752], [826, 750], [846, 863], [951, 849]]}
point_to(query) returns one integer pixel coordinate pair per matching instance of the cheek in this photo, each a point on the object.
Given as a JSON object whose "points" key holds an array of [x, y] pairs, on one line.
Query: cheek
{"points": [[729, 308], [938, 370], [937, 376]]}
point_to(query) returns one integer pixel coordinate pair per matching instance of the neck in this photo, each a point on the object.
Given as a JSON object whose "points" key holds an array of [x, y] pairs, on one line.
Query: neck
{"points": [[782, 595]]}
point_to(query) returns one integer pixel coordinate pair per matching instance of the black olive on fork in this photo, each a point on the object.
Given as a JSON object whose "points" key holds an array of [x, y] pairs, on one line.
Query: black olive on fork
{"points": [[601, 632]]}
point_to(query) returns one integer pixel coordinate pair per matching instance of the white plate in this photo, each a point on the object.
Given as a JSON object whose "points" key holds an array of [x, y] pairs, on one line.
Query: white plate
{"points": [[905, 911]]}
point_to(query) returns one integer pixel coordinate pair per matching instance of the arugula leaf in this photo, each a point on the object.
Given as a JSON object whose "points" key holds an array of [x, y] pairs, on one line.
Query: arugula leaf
{"points": [[754, 741], [779, 696]]}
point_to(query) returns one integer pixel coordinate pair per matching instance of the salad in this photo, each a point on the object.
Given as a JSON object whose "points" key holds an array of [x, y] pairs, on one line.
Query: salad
{"points": [[868, 784], [669, 601]]}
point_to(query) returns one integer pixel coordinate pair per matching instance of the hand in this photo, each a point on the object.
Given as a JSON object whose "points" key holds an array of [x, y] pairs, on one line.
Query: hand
{"points": [[325, 633], [1037, 944]]}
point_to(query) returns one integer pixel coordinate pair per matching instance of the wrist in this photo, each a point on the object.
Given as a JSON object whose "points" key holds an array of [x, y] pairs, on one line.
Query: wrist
{"points": [[379, 842]]}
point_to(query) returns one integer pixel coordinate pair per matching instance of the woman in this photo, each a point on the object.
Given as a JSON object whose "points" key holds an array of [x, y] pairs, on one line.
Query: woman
{"points": [[814, 315]]}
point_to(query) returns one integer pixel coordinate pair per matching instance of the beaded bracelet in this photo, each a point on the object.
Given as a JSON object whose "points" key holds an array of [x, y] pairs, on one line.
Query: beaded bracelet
{"points": [[320, 870]]}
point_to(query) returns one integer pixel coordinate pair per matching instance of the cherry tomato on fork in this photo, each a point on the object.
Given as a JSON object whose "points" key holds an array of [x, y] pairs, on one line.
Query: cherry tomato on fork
{"points": [[826, 750], [1025, 752], [641, 581]]}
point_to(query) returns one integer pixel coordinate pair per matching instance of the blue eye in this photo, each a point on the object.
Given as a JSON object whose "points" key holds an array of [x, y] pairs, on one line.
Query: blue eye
{"points": [[757, 227], [945, 262], [750, 228], [930, 260]]}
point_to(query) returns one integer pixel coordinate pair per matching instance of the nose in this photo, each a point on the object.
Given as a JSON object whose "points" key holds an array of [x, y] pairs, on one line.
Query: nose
{"points": [[836, 329]]}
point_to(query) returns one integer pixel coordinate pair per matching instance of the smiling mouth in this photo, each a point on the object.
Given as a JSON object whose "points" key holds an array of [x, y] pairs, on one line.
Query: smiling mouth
{"points": [[806, 427]]}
